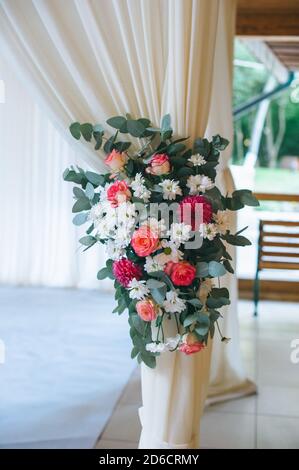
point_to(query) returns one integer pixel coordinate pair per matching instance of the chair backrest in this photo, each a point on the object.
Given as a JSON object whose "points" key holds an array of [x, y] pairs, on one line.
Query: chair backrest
{"points": [[278, 245]]}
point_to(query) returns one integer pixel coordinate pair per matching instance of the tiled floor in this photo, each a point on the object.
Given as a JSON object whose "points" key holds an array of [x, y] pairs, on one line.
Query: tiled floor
{"points": [[268, 420]]}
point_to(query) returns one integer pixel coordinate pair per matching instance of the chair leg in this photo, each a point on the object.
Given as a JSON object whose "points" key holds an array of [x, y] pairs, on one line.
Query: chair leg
{"points": [[256, 292]]}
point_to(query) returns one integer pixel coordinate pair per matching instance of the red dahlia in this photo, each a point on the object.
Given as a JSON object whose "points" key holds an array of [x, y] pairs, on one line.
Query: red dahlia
{"points": [[198, 208], [125, 270]]}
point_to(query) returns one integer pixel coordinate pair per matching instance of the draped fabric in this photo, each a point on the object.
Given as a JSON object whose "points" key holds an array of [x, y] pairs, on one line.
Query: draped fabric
{"points": [[227, 375], [98, 58], [38, 242]]}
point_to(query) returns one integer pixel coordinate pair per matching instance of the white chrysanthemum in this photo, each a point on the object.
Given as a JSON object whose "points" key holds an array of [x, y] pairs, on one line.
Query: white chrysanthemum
{"points": [[173, 342], [173, 303], [171, 251], [138, 289], [179, 233], [222, 221], [113, 251], [156, 347], [96, 212], [171, 189], [137, 181], [156, 226], [197, 159], [139, 188], [169, 345], [199, 183], [206, 183], [208, 231], [152, 265], [123, 236]]}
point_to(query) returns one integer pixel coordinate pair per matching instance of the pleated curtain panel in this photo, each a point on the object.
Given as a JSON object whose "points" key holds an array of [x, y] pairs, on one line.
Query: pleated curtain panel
{"points": [[98, 58]]}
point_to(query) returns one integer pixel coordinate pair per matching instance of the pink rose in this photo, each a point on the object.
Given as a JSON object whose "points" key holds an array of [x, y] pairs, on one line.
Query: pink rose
{"points": [[181, 273], [116, 160], [118, 192], [147, 309], [159, 165], [144, 241], [191, 344]]}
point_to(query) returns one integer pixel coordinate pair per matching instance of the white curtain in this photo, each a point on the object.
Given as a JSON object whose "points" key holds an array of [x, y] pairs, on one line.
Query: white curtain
{"points": [[38, 242], [227, 375], [98, 58]]}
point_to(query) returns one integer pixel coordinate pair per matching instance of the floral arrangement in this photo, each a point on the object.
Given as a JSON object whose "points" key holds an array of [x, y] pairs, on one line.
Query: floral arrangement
{"points": [[165, 226]]}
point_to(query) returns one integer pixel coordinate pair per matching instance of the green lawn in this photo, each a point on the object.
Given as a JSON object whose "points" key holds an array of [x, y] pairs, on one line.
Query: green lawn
{"points": [[276, 180]]}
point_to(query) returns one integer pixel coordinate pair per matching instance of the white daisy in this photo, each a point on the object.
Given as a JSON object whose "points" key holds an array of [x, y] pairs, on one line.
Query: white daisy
{"points": [[171, 189], [157, 226], [156, 347], [139, 188], [222, 221], [197, 159], [199, 183], [173, 303], [138, 289], [152, 265], [208, 231], [171, 250], [180, 233], [173, 342], [113, 251]]}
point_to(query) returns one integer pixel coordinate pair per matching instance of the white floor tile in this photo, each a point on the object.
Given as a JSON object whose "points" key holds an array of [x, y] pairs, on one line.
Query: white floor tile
{"points": [[245, 405], [110, 444], [274, 364], [280, 401], [124, 424], [277, 432], [228, 431]]}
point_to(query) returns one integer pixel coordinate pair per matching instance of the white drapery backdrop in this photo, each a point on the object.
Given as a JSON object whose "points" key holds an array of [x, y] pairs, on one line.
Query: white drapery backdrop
{"points": [[160, 60], [227, 375]]}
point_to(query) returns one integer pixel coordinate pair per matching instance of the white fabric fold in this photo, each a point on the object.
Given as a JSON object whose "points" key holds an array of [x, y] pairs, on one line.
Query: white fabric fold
{"points": [[227, 377], [98, 58]]}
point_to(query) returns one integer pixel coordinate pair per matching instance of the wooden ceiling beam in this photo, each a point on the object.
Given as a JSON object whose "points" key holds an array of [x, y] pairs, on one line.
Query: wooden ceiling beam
{"points": [[260, 18]]}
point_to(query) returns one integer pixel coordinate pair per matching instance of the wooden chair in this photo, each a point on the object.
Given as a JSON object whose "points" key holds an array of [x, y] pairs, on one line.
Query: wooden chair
{"points": [[278, 248]]}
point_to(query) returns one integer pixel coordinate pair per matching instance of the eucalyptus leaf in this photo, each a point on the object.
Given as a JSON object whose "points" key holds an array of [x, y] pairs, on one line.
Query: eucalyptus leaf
{"points": [[117, 121], [81, 218], [83, 204], [202, 269], [86, 131], [135, 128], [75, 130], [216, 269], [88, 240], [89, 191]]}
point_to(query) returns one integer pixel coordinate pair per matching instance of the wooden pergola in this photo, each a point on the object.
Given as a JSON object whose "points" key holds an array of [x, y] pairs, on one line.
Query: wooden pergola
{"points": [[276, 23]]}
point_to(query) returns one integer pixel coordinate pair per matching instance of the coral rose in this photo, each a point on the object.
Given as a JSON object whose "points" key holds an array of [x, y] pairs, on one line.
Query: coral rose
{"points": [[144, 241], [124, 271], [181, 273], [116, 160], [118, 192], [147, 309], [191, 344], [159, 165], [195, 210]]}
